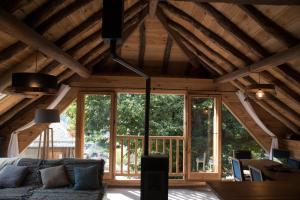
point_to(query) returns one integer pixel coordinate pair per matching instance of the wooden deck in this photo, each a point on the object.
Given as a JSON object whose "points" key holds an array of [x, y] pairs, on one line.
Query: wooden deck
{"points": [[202, 193]]}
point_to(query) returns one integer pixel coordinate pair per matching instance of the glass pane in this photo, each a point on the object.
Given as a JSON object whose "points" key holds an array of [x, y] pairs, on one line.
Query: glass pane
{"points": [[97, 127], [166, 119], [236, 137], [63, 137], [202, 134]]}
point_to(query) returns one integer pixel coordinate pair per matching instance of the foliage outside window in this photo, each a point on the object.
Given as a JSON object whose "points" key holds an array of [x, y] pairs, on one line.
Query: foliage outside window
{"points": [[97, 127], [202, 156], [235, 137], [166, 114]]}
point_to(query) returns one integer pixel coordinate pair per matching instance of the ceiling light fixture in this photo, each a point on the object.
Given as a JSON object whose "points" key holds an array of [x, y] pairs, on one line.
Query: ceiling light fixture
{"points": [[34, 83], [260, 90]]}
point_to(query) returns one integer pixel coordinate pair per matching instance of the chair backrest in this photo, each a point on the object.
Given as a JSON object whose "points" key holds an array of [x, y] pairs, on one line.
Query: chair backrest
{"points": [[242, 154], [237, 170], [255, 174], [293, 163], [281, 155]]}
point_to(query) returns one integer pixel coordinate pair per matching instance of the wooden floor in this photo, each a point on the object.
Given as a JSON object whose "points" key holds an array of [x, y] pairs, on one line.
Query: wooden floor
{"points": [[202, 193]]}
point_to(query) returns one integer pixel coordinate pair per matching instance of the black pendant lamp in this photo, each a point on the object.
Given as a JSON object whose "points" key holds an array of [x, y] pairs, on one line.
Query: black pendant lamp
{"points": [[34, 83]]}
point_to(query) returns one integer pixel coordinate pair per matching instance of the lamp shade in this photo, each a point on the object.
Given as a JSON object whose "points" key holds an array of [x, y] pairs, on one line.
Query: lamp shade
{"points": [[32, 83], [46, 116]]}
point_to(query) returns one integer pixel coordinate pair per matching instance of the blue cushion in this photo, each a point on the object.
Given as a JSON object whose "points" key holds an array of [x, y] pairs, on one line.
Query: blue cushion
{"points": [[86, 178], [12, 176]]}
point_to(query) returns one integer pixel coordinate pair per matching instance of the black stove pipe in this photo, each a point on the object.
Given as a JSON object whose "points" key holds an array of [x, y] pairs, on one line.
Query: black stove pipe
{"points": [[121, 61]]}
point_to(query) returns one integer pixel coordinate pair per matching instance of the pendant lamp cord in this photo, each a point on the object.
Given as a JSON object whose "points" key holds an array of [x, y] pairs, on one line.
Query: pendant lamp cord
{"points": [[36, 65]]}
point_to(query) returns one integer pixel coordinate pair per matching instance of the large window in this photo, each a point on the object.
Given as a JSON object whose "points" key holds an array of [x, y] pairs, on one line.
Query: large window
{"points": [[97, 116], [166, 131], [234, 137]]}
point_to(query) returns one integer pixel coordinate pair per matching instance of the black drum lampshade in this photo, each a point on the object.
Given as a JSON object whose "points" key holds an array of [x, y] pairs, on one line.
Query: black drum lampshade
{"points": [[46, 116], [34, 83]]}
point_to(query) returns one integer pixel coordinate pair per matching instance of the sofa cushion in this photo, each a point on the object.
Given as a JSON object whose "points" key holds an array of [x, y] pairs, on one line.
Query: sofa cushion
{"points": [[86, 178], [71, 163], [19, 193], [33, 177], [66, 194], [12, 176], [53, 177]]}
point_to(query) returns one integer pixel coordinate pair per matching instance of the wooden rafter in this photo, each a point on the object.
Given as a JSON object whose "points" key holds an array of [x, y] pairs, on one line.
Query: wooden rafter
{"points": [[167, 53], [152, 7], [57, 17], [246, 40], [41, 13], [142, 46], [184, 31], [221, 71], [192, 57], [30, 37], [207, 32], [274, 60], [222, 43], [32, 20], [269, 26]]}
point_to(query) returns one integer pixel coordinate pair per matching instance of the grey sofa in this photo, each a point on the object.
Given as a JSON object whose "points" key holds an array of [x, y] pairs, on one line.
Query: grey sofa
{"points": [[31, 188]]}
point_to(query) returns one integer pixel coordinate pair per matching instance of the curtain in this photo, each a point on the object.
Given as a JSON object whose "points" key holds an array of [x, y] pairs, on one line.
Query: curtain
{"points": [[13, 147], [254, 116]]}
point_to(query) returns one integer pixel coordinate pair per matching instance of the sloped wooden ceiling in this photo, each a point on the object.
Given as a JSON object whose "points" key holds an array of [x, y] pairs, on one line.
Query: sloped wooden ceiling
{"points": [[182, 38]]}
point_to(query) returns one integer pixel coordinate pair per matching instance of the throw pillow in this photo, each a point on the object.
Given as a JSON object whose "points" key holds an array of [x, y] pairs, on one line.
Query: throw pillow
{"points": [[53, 177], [12, 176], [86, 178]]}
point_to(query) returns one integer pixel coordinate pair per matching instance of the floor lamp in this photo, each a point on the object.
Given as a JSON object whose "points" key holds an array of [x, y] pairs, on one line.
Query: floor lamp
{"points": [[46, 116]]}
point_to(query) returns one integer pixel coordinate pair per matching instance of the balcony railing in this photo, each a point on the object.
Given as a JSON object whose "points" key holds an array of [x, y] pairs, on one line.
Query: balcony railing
{"points": [[130, 148]]}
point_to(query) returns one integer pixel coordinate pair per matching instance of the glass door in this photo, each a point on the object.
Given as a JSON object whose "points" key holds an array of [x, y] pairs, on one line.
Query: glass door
{"points": [[204, 138], [97, 128]]}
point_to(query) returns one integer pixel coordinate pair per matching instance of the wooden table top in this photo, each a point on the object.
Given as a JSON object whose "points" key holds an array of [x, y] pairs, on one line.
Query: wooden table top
{"points": [[291, 175], [268, 190]]}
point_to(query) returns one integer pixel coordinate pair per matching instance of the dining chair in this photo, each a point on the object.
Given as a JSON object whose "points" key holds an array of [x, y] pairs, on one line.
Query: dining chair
{"points": [[293, 163], [280, 155], [255, 174], [242, 154], [237, 170]]}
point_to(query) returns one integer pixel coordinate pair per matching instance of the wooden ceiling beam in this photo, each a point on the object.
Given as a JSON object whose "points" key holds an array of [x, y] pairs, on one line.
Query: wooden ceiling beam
{"points": [[152, 7], [167, 54], [271, 61], [246, 40], [60, 15], [33, 20], [165, 22], [31, 38], [221, 71], [270, 26], [38, 15], [207, 32], [142, 45], [188, 34]]}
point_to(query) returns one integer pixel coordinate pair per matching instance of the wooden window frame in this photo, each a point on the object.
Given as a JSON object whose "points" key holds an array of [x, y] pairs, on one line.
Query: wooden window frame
{"points": [[217, 140]]}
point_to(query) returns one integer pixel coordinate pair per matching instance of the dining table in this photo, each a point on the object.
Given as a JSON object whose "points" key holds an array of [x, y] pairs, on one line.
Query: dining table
{"points": [[267, 190], [272, 170]]}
